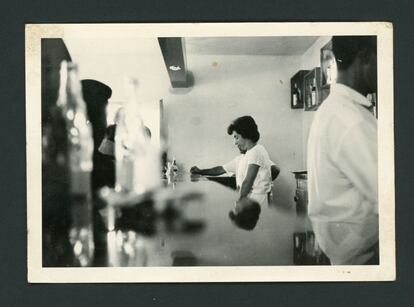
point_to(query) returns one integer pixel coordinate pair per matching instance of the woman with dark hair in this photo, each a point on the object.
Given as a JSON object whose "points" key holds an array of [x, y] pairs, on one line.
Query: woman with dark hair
{"points": [[253, 177]]}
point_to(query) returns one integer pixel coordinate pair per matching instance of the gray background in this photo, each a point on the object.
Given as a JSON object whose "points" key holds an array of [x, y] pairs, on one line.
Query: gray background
{"points": [[14, 289]]}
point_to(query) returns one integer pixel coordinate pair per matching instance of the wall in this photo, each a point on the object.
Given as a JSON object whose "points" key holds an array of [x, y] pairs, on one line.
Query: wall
{"points": [[227, 87], [310, 59], [100, 59]]}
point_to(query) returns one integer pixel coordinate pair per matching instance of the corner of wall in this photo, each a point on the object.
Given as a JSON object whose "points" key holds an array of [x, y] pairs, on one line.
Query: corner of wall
{"points": [[310, 60]]}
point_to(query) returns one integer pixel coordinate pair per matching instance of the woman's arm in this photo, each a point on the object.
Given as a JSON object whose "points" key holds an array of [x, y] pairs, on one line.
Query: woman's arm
{"points": [[214, 171], [247, 184]]}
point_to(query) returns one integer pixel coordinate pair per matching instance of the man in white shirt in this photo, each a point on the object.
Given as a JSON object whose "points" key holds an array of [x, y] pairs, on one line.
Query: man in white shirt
{"points": [[342, 158]]}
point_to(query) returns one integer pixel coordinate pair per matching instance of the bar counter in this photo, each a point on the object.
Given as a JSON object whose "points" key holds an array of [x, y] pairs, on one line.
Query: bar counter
{"points": [[189, 223]]}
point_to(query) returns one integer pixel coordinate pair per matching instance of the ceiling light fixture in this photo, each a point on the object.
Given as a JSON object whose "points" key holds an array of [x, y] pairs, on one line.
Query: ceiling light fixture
{"points": [[174, 68]]}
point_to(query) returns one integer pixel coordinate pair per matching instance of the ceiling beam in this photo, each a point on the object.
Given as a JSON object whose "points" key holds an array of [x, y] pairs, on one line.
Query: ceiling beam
{"points": [[173, 52]]}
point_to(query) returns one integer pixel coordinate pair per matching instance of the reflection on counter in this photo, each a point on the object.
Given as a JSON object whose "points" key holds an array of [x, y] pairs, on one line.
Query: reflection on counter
{"points": [[245, 214], [306, 250], [227, 181], [126, 249], [133, 222]]}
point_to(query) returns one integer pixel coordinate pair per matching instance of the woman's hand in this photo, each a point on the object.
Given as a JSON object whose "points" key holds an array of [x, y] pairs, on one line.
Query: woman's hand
{"points": [[195, 170]]}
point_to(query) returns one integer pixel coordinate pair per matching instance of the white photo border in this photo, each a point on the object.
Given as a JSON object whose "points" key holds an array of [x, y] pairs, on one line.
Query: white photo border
{"points": [[385, 271]]}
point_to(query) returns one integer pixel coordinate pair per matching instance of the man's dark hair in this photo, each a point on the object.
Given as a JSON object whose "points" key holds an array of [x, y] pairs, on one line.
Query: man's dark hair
{"points": [[246, 127], [346, 48]]}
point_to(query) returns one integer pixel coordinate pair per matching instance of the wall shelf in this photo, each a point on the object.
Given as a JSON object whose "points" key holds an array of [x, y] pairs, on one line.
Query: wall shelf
{"points": [[313, 90], [297, 90]]}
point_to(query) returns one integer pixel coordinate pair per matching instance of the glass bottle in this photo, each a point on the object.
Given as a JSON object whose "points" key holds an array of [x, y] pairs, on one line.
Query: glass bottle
{"points": [[137, 160], [80, 151], [295, 95], [174, 166], [56, 220]]}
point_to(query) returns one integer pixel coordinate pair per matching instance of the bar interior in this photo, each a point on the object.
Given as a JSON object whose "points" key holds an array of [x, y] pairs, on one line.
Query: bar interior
{"points": [[137, 149]]}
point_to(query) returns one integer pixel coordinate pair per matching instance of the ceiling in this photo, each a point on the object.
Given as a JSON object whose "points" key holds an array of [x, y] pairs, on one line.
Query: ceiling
{"points": [[266, 45]]}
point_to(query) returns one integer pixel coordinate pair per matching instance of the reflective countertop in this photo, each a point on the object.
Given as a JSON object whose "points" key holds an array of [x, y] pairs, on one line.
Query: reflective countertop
{"points": [[192, 221]]}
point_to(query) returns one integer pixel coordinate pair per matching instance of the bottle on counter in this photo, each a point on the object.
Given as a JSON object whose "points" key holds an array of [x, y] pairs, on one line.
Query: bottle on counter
{"points": [[138, 163], [174, 166], [79, 153]]}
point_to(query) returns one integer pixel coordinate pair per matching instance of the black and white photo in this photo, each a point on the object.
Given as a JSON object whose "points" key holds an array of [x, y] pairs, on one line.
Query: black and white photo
{"points": [[210, 152]]}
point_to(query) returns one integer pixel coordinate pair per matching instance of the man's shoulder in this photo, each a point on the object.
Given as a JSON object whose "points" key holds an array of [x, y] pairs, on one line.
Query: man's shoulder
{"points": [[340, 112]]}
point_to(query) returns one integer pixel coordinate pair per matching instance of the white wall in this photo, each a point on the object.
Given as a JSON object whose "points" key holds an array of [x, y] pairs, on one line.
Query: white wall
{"points": [[100, 59], [238, 85], [225, 87]]}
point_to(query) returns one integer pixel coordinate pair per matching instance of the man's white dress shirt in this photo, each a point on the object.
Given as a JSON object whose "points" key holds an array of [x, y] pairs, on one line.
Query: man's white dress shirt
{"points": [[342, 177]]}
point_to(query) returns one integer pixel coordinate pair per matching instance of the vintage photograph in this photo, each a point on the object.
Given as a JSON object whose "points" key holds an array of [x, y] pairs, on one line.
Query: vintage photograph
{"points": [[210, 152]]}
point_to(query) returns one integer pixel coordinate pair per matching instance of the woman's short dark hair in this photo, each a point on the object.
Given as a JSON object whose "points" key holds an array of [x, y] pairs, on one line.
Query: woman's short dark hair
{"points": [[246, 127], [346, 48]]}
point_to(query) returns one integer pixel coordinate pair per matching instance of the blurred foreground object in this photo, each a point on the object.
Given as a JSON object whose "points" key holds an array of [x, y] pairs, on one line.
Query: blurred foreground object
{"points": [[55, 177], [79, 153], [138, 164]]}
